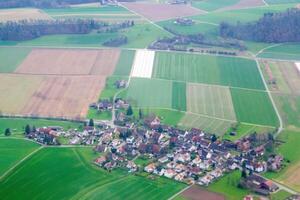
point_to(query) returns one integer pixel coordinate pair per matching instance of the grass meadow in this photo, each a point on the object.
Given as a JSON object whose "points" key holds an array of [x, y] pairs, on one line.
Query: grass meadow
{"points": [[14, 150], [123, 67], [210, 5], [179, 96], [67, 173], [10, 63], [253, 107], [217, 70], [284, 51]]}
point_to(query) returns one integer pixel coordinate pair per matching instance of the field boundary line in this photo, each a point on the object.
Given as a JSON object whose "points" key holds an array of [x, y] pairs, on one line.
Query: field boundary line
{"points": [[178, 193], [268, 47], [280, 128], [20, 162]]}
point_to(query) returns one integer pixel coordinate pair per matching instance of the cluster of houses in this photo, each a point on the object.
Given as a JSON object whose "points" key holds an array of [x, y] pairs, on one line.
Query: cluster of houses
{"points": [[45, 135], [184, 22]]}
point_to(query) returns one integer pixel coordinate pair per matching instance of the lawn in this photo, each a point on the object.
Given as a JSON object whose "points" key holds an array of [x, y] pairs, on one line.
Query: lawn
{"points": [[17, 125], [253, 107], [237, 72], [179, 96], [290, 150], [123, 68], [14, 150], [150, 93], [67, 173], [210, 5], [110, 88], [280, 195], [11, 57], [99, 115], [228, 186]]}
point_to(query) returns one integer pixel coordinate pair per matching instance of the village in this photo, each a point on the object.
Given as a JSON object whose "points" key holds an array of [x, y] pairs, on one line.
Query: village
{"points": [[190, 156]]}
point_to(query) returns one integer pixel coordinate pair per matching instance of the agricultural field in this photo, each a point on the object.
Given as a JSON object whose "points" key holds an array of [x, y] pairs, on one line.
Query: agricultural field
{"points": [[69, 62], [227, 71], [210, 5], [280, 195], [179, 96], [143, 64], [159, 12], [123, 67], [282, 1], [283, 51], [206, 123], [13, 151], [244, 4], [10, 63], [22, 14], [64, 96], [195, 192], [214, 101], [105, 13], [74, 172], [253, 107]]}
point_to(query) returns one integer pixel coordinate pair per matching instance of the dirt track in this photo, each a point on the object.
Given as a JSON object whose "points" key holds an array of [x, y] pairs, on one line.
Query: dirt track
{"points": [[159, 12], [69, 62], [64, 96]]}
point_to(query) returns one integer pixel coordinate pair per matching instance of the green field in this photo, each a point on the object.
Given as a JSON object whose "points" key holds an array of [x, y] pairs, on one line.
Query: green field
{"points": [[139, 36], [11, 57], [113, 10], [219, 70], [150, 93], [179, 96], [210, 5], [280, 195], [210, 125], [14, 150], [284, 51], [65, 173], [289, 108], [253, 107], [228, 186], [17, 125], [243, 15], [209, 30], [282, 1], [125, 62]]}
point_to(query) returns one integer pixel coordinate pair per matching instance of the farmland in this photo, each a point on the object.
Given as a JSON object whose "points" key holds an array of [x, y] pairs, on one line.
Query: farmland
{"points": [[194, 192], [123, 67], [22, 14], [213, 5], [236, 72], [283, 51], [159, 12], [75, 172], [14, 150], [69, 62], [253, 107], [9, 63]]}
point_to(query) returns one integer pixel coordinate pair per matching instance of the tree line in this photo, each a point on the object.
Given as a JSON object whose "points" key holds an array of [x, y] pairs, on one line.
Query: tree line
{"points": [[26, 30], [271, 28], [41, 3]]}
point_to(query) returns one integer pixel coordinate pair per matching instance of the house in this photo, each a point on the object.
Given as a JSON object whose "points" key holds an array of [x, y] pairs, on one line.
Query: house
{"points": [[169, 173], [131, 166], [163, 159], [274, 162], [152, 122], [270, 186], [150, 168], [184, 22], [99, 161], [120, 84]]}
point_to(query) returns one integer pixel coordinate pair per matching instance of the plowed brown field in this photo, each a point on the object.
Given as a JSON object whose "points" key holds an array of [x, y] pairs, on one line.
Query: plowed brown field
{"points": [[64, 96], [69, 62], [159, 12]]}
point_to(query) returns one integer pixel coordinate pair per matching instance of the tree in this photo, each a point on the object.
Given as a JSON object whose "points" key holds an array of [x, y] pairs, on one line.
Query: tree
{"points": [[140, 114], [129, 111], [91, 122], [244, 174], [7, 132], [213, 138], [27, 129], [33, 129]]}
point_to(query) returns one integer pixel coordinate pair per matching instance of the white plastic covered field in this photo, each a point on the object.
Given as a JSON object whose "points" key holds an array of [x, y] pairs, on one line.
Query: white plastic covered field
{"points": [[143, 64], [298, 67]]}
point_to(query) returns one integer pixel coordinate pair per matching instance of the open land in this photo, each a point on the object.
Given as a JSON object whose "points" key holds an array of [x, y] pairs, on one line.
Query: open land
{"points": [[69, 62], [159, 12], [210, 5], [64, 96], [227, 71], [242, 4], [14, 150], [143, 64], [194, 192], [22, 14], [123, 67], [254, 107], [210, 100], [69, 170]]}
